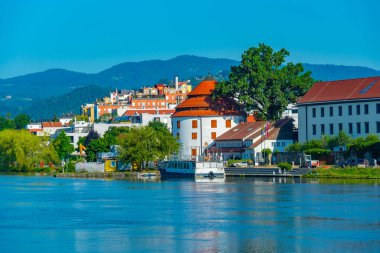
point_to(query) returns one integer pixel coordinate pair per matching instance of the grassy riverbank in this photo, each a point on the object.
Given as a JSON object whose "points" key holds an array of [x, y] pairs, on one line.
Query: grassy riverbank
{"points": [[348, 172]]}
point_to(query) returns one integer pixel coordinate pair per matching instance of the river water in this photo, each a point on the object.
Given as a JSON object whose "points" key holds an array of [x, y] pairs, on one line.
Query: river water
{"points": [[45, 214]]}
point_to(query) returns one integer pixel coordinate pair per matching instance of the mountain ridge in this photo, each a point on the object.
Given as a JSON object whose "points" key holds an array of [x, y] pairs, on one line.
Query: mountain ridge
{"points": [[33, 87]]}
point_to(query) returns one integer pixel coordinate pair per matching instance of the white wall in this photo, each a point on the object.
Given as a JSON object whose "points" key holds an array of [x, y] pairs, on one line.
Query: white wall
{"points": [[203, 131], [306, 119]]}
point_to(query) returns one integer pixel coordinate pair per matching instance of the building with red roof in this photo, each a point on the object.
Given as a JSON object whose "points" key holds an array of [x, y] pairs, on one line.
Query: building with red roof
{"points": [[351, 105], [199, 120], [248, 139]]}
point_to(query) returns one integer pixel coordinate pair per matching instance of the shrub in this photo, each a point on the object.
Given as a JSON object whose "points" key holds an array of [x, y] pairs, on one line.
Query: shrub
{"points": [[284, 166]]}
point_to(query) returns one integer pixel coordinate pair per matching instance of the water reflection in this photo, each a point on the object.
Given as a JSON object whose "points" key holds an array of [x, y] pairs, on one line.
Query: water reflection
{"points": [[235, 215]]}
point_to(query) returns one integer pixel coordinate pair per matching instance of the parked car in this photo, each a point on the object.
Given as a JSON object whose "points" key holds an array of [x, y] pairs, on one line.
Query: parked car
{"points": [[358, 162]]}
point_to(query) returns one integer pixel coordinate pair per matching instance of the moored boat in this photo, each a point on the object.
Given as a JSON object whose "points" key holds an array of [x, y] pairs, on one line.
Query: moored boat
{"points": [[194, 166]]}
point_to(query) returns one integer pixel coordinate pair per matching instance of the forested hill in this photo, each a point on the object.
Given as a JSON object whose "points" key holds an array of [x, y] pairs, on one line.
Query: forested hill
{"points": [[69, 103], [36, 89]]}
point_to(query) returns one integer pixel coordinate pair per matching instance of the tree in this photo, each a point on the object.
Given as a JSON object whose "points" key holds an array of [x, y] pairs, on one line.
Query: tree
{"points": [[147, 143], [94, 147], [63, 146], [261, 83], [6, 123], [112, 134], [21, 151], [21, 120], [167, 143], [92, 135]]}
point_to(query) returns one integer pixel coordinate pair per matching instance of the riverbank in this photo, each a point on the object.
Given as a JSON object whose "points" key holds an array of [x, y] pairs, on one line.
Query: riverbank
{"points": [[348, 172]]}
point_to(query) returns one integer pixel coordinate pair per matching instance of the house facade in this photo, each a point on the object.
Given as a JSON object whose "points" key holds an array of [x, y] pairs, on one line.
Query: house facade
{"points": [[352, 106], [248, 139]]}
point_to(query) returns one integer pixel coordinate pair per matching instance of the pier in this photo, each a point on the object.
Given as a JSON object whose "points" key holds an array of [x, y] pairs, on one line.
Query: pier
{"points": [[264, 172]]}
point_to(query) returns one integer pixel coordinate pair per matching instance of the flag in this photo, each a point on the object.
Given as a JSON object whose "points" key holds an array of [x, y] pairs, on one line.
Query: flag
{"points": [[267, 130]]}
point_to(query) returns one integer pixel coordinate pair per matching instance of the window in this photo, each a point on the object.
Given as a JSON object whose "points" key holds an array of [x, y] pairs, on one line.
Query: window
{"points": [[378, 108], [350, 110], [194, 136], [322, 129], [340, 111], [366, 109], [322, 112], [228, 123], [194, 123], [350, 128], [331, 109], [378, 127], [272, 144], [357, 109], [366, 127], [283, 143], [358, 128], [331, 129], [213, 123], [340, 126], [314, 129], [314, 112], [213, 135], [193, 151], [178, 124], [177, 136]]}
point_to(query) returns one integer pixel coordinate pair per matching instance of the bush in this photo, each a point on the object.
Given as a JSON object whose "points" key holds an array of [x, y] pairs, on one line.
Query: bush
{"points": [[285, 166]]}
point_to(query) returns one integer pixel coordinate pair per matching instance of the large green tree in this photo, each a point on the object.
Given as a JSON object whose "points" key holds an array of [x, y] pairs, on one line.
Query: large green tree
{"points": [[62, 145], [263, 83], [147, 143], [21, 151]]}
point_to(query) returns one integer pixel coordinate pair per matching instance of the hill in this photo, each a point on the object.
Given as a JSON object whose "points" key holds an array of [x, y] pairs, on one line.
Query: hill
{"points": [[34, 88], [68, 103]]}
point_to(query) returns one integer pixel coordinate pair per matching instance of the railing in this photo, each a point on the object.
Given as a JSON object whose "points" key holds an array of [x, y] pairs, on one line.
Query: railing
{"points": [[210, 158]]}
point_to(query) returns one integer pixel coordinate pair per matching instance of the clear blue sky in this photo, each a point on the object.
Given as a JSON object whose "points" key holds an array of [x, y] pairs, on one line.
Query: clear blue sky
{"points": [[89, 36]]}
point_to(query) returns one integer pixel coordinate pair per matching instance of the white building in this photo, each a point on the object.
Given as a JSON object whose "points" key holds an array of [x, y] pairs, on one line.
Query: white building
{"points": [[248, 139], [352, 106], [198, 121]]}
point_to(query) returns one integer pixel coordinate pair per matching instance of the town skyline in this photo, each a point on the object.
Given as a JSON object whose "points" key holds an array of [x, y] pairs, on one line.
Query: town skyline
{"points": [[88, 37]]}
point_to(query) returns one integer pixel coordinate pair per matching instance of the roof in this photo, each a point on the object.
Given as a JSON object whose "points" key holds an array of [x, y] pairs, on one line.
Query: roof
{"points": [[151, 111], [280, 130], [203, 113], [350, 89], [51, 124], [199, 103], [204, 88], [241, 131]]}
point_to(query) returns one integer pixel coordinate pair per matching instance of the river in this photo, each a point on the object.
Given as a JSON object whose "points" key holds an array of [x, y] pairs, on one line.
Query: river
{"points": [[46, 214]]}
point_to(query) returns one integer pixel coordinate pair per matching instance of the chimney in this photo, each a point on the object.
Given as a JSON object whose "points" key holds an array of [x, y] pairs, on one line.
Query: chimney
{"points": [[176, 82]]}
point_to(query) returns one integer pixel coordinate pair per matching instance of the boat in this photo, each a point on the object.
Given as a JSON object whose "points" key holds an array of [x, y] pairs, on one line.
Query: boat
{"points": [[146, 175], [193, 166]]}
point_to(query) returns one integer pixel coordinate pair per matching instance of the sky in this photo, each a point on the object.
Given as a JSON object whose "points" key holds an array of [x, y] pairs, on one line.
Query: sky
{"points": [[92, 35]]}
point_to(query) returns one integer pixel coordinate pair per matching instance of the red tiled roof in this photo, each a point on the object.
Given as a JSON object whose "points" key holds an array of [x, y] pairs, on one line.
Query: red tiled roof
{"points": [[35, 130], [204, 88], [204, 113], [241, 131], [199, 103], [152, 111], [194, 102], [51, 124], [351, 89]]}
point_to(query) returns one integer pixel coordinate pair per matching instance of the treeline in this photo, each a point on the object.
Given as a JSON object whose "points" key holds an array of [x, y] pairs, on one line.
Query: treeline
{"points": [[137, 145], [354, 146], [19, 122]]}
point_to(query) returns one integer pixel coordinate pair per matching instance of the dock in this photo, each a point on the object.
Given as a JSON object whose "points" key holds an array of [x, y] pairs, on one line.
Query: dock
{"points": [[264, 172]]}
